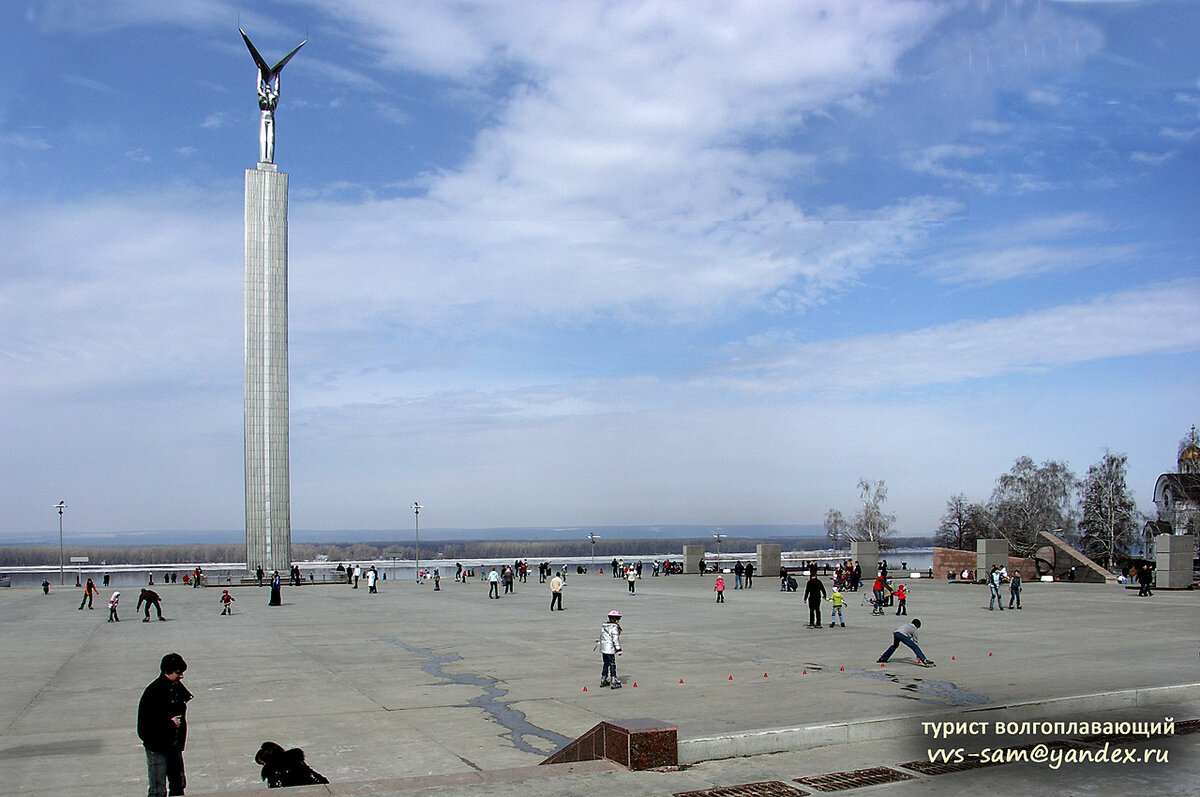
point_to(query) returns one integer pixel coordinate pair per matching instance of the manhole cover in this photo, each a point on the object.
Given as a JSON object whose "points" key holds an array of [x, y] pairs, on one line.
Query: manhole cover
{"points": [[840, 781], [766, 788]]}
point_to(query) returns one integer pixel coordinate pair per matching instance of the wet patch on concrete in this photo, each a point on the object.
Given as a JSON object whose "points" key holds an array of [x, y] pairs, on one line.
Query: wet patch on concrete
{"points": [[67, 747], [924, 690], [517, 728]]}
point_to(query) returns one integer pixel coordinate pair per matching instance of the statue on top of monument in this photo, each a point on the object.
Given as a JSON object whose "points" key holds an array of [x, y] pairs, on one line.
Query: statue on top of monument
{"points": [[268, 97]]}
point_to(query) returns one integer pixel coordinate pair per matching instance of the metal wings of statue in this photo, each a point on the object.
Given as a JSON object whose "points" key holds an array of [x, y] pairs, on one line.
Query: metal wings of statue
{"points": [[268, 97]]}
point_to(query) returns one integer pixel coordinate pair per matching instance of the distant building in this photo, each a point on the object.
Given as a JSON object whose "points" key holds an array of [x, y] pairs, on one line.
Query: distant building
{"points": [[1177, 496]]}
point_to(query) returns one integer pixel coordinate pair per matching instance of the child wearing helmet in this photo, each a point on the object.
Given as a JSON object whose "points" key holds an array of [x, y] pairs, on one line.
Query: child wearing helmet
{"points": [[610, 648]]}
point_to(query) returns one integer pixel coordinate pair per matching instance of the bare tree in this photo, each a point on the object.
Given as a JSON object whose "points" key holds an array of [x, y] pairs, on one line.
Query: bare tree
{"points": [[835, 528], [962, 524], [871, 523], [1110, 517], [1030, 499]]}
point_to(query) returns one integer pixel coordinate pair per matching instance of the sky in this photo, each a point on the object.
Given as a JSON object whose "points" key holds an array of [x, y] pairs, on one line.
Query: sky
{"points": [[568, 263]]}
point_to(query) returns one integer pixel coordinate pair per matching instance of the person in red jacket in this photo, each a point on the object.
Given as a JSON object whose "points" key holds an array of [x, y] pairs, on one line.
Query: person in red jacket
{"points": [[901, 601], [89, 591]]}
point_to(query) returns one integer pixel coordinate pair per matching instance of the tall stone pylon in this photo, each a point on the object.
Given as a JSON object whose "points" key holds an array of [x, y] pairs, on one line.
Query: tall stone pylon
{"points": [[268, 483]]}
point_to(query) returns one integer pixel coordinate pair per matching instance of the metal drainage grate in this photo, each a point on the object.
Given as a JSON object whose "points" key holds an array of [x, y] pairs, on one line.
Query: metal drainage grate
{"points": [[1187, 726], [940, 768], [840, 781], [766, 788]]}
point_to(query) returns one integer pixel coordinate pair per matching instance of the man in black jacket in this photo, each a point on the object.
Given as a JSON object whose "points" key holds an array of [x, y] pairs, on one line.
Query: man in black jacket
{"points": [[814, 593], [162, 727]]}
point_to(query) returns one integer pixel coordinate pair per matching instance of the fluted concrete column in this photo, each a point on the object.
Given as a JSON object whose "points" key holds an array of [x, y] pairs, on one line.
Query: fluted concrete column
{"points": [[268, 491]]}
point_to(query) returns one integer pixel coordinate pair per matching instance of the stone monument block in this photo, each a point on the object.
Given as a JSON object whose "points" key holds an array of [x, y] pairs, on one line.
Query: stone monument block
{"points": [[867, 555], [692, 554], [1173, 558], [988, 554], [769, 559]]}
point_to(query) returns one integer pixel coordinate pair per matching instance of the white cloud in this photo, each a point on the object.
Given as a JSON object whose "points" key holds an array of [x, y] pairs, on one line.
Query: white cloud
{"points": [[1152, 158], [24, 142], [1154, 320]]}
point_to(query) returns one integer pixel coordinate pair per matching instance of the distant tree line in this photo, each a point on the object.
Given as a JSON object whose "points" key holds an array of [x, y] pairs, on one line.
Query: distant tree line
{"points": [[460, 550]]}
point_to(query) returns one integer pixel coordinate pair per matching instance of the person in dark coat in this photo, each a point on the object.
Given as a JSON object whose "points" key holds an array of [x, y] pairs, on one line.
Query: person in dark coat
{"points": [[162, 727], [814, 593], [276, 590], [150, 598], [286, 767]]}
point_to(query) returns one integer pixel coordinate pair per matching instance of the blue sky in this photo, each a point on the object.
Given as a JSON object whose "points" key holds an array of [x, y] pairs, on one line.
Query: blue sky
{"points": [[574, 263]]}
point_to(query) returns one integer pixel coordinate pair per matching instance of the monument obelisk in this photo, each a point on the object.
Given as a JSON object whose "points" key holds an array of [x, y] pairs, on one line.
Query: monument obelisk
{"points": [[268, 491]]}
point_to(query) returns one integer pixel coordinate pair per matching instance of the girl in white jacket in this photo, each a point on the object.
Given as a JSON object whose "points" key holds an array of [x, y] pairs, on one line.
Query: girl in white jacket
{"points": [[610, 648]]}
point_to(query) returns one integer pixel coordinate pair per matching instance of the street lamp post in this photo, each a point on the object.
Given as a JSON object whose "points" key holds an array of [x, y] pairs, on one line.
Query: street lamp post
{"points": [[718, 538], [593, 536], [417, 530], [60, 506]]}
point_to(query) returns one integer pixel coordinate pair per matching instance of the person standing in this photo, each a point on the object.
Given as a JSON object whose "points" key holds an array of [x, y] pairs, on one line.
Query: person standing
{"points": [[556, 588], [749, 575], [372, 580], [1145, 576], [814, 593], [906, 635], [631, 577], [494, 584], [89, 591], [614, 567], [901, 600], [162, 727], [838, 600], [994, 589], [258, 573], [150, 598], [437, 580], [877, 592], [226, 603], [720, 589], [1014, 589], [46, 588], [738, 570], [112, 607], [610, 648], [276, 590]]}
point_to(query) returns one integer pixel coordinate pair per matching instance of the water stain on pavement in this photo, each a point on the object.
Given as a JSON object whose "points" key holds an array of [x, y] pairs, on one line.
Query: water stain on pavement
{"points": [[937, 693], [501, 712]]}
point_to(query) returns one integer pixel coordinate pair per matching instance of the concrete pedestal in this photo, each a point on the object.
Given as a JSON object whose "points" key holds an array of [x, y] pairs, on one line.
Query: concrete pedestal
{"points": [[692, 554], [1173, 558], [867, 556], [988, 554], [770, 557]]}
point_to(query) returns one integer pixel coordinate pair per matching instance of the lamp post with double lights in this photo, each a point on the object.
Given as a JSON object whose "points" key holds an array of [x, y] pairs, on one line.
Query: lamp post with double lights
{"points": [[593, 536], [417, 531], [718, 538], [60, 506]]}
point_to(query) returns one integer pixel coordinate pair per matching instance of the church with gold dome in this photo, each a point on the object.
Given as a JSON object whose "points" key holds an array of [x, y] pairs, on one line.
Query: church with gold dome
{"points": [[1177, 495]]}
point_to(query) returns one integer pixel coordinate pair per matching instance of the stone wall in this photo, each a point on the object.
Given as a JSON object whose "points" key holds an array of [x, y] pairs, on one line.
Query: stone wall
{"points": [[945, 559]]}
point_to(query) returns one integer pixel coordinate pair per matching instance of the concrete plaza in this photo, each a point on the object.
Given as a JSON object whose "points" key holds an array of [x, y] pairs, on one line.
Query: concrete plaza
{"points": [[467, 693]]}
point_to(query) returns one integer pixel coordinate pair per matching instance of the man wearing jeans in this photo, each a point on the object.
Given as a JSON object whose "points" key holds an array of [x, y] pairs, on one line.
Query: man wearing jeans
{"points": [[994, 589], [162, 727], [906, 635]]}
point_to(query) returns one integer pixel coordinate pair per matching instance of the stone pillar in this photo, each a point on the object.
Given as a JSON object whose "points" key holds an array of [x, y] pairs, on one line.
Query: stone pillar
{"points": [[989, 553], [770, 557], [268, 499], [1173, 560], [867, 555], [692, 554]]}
